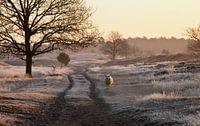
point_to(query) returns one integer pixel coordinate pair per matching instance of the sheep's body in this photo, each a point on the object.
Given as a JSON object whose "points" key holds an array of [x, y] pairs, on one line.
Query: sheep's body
{"points": [[108, 80]]}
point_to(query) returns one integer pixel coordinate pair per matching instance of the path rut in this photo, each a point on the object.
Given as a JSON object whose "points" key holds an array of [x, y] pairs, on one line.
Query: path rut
{"points": [[82, 106]]}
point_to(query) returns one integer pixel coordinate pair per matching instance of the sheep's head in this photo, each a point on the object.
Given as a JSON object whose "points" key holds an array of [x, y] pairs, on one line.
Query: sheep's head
{"points": [[107, 75]]}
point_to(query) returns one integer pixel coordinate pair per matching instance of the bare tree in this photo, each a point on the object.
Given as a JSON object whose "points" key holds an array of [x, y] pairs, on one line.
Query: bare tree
{"points": [[194, 40], [113, 45], [28, 25]]}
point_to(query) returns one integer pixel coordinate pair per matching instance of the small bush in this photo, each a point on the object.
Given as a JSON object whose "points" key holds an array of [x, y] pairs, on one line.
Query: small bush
{"points": [[63, 58]]}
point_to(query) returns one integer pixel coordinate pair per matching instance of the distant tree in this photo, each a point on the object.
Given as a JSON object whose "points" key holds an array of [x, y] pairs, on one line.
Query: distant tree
{"points": [[28, 25], [128, 50], [63, 58], [165, 52], [113, 46], [136, 51], [194, 40], [125, 49]]}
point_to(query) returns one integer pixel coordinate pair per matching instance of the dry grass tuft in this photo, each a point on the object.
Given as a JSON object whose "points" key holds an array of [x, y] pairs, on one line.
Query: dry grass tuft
{"points": [[161, 96], [7, 120]]}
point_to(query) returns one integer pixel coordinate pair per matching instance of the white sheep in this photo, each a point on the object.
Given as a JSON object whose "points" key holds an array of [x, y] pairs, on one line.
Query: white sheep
{"points": [[108, 80]]}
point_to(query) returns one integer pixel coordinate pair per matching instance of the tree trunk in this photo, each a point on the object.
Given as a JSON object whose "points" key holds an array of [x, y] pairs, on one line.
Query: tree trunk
{"points": [[28, 51], [114, 51], [28, 66]]}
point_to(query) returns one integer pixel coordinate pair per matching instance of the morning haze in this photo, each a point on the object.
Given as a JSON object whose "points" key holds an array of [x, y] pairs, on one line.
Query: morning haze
{"points": [[150, 18]]}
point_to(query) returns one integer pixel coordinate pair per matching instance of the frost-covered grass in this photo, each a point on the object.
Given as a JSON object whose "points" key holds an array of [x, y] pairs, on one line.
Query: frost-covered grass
{"points": [[169, 110], [20, 95], [12, 77], [192, 119], [161, 85], [28, 95], [18, 71], [178, 87], [159, 94], [182, 84]]}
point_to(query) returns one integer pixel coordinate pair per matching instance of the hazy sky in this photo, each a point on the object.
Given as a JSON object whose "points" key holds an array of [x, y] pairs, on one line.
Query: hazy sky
{"points": [[151, 18]]}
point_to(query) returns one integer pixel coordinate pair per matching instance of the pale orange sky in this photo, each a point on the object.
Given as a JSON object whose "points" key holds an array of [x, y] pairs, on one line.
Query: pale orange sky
{"points": [[151, 18]]}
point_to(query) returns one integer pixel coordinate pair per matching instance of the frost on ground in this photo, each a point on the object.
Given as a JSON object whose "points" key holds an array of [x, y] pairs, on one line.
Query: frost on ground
{"points": [[25, 101], [37, 101], [162, 93], [165, 93]]}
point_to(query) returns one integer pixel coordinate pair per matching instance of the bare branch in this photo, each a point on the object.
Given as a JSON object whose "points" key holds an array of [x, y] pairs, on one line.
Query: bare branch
{"points": [[194, 40], [33, 27]]}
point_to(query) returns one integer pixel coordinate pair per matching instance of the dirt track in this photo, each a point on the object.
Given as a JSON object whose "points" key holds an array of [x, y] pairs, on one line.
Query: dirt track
{"points": [[81, 111]]}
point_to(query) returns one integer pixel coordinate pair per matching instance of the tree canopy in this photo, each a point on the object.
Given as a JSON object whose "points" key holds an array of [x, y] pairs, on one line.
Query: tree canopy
{"points": [[113, 46], [32, 27]]}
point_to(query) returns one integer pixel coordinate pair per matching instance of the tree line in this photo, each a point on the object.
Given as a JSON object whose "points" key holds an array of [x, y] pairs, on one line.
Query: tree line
{"points": [[117, 46]]}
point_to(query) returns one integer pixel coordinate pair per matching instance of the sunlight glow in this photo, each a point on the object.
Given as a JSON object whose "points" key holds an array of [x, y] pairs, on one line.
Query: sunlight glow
{"points": [[151, 18]]}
